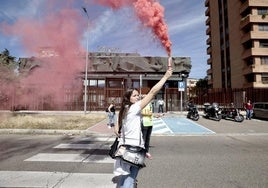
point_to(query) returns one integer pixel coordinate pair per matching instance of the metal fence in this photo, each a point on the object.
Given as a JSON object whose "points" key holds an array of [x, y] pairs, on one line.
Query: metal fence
{"points": [[231, 95], [100, 98]]}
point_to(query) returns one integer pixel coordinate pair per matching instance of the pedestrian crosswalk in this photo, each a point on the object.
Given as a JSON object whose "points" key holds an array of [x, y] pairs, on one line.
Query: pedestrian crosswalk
{"points": [[83, 151], [160, 127], [28, 179], [79, 161]]}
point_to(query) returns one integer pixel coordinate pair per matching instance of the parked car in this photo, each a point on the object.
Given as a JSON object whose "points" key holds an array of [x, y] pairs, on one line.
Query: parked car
{"points": [[260, 110]]}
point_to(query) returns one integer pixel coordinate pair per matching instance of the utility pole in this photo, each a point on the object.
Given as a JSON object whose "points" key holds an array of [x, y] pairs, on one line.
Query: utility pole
{"points": [[86, 66]]}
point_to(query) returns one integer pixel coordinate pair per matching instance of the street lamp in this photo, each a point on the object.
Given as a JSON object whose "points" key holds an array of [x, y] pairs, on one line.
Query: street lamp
{"points": [[86, 81]]}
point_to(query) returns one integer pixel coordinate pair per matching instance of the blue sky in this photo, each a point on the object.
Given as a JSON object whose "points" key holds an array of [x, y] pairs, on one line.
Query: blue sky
{"points": [[120, 29]]}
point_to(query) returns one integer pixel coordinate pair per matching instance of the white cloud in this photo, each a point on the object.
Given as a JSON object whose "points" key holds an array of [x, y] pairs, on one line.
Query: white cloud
{"points": [[177, 26], [102, 25], [12, 10]]}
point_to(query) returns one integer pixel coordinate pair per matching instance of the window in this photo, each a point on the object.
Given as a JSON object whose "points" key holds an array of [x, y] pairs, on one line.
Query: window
{"points": [[97, 83], [136, 83], [263, 43], [93, 83], [262, 11], [264, 60], [263, 27], [101, 83], [264, 78], [115, 83]]}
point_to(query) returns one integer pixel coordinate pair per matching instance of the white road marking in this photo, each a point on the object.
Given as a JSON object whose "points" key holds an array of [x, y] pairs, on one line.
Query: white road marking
{"points": [[55, 179], [82, 146], [160, 127], [54, 157]]}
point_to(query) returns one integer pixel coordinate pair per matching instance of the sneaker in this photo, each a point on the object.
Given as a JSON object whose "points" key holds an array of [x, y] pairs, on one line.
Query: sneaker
{"points": [[149, 156]]}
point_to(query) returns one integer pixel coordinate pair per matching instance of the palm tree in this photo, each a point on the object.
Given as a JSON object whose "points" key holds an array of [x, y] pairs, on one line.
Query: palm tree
{"points": [[8, 66], [6, 58]]}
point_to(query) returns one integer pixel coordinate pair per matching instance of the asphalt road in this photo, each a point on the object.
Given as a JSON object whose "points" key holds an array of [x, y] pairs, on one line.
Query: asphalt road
{"points": [[235, 156], [207, 162]]}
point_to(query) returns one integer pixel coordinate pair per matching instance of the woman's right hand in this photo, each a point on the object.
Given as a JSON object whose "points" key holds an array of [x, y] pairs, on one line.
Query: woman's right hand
{"points": [[169, 72]]}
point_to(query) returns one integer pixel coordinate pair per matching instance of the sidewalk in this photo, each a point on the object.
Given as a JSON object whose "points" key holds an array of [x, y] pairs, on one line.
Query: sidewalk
{"points": [[101, 129]]}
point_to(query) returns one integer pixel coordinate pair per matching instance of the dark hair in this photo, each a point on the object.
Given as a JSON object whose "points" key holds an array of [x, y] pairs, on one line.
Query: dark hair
{"points": [[125, 105]]}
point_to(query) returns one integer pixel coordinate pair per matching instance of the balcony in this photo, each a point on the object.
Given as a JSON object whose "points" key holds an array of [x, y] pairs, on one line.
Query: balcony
{"points": [[208, 31], [248, 69], [208, 41], [255, 69], [207, 12], [254, 35], [209, 61], [207, 3], [252, 19], [208, 21], [254, 52], [209, 50], [209, 71], [253, 3]]}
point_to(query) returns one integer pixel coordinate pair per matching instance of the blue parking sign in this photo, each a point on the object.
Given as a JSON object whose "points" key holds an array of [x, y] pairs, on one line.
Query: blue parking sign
{"points": [[181, 86]]}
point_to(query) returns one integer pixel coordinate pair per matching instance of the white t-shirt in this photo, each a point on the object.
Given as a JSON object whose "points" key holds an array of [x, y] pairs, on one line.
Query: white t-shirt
{"points": [[131, 129], [161, 102], [133, 136]]}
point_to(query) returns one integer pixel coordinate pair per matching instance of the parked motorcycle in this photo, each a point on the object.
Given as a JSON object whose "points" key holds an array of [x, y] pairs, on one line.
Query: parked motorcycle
{"points": [[232, 114], [212, 111], [192, 112]]}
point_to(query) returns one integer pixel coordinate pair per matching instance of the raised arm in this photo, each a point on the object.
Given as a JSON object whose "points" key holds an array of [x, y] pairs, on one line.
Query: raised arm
{"points": [[155, 89]]}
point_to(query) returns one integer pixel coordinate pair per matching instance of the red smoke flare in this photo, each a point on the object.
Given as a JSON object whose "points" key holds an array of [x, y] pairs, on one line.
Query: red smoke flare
{"points": [[150, 13]]}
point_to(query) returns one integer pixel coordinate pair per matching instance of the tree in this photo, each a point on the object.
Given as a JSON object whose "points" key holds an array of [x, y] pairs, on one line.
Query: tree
{"points": [[8, 66], [202, 83], [6, 58]]}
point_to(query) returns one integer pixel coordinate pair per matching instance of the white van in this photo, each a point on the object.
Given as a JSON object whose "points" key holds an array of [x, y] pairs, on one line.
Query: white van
{"points": [[260, 110]]}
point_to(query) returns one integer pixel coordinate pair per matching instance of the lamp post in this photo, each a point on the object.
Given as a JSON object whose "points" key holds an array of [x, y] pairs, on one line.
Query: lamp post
{"points": [[86, 81]]}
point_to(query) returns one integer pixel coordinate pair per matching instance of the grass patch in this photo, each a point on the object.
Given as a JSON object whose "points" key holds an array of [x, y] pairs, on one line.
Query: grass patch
{"points": [[42, 121]]}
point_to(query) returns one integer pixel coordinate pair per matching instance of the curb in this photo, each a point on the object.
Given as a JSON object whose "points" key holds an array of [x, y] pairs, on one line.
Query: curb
{"points": [[52, 132]]}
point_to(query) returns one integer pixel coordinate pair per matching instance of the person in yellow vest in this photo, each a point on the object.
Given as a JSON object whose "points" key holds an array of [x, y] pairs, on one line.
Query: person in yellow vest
{"points": [[147, 126]]}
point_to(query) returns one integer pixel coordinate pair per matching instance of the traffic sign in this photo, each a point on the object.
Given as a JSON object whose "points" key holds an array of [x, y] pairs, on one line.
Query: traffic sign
{"points": [[181, 86]]}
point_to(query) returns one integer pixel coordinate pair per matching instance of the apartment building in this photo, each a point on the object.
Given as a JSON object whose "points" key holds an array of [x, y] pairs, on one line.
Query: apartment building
{"points": [[237, 43]]}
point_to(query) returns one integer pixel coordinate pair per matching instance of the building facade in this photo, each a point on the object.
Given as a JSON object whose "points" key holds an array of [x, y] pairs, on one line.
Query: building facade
{"points": [[237, 43], [109, 75]]}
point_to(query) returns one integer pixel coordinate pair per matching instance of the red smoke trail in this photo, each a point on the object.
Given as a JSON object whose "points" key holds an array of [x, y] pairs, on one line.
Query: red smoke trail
{"points": [[150, 13], [61, 33]]}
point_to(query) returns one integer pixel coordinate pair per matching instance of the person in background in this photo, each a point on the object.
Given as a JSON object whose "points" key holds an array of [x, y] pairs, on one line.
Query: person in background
{"points": [[160, 105], [147, 122], [129, 129], [249, 109], [111, 115]]}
